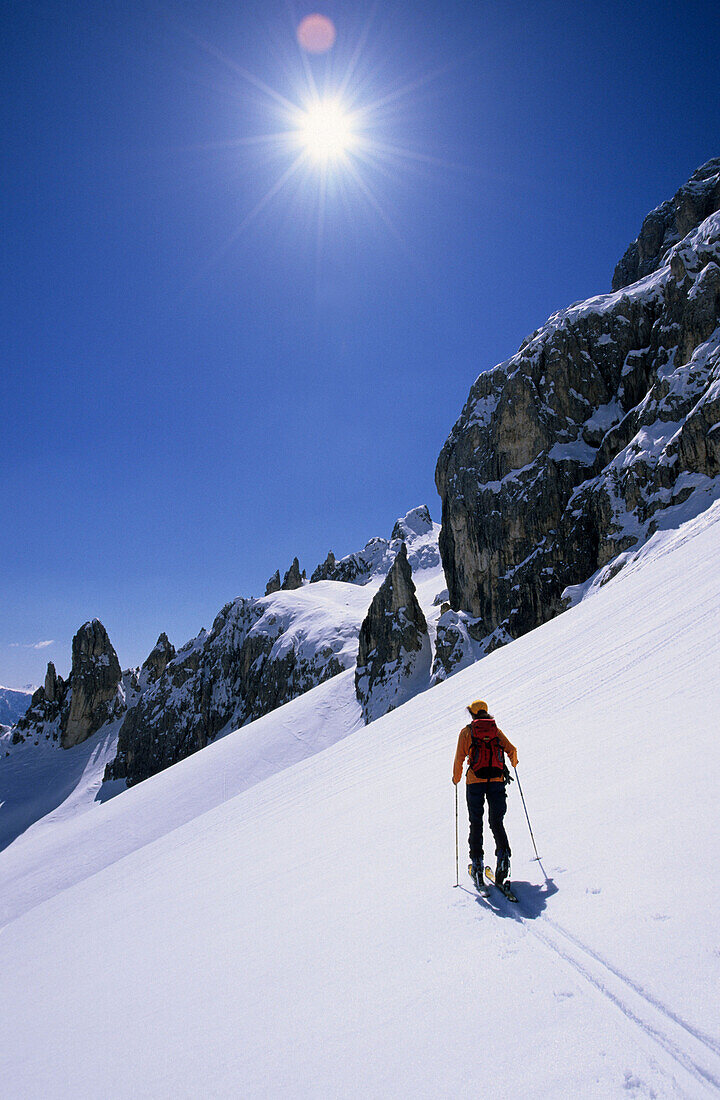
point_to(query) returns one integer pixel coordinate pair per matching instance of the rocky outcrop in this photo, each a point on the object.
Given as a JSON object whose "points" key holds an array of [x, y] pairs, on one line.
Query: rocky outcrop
{"points": [[274, 584], [669, 223], [293, 578], [94, 679], [325, 570], [68, 712], [258, 655], [157, 660], [54, 687], [601, 427], [418, 532], [394, 656]]}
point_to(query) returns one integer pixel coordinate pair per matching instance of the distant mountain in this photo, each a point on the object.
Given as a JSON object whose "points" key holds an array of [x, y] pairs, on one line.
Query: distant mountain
{"points": [[260, 653], [13, 704], [601, 429]]}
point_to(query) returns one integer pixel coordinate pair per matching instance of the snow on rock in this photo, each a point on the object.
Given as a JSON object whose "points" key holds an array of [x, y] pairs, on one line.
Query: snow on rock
{"points": [[416, 530], [605, 421], [186, 924]]}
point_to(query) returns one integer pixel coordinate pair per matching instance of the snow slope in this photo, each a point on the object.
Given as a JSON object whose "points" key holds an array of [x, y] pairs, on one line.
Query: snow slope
{"points": [[214, 932]]}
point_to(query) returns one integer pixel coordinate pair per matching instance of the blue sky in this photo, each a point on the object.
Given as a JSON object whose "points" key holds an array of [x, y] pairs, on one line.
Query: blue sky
{"points": [[194, 393]]}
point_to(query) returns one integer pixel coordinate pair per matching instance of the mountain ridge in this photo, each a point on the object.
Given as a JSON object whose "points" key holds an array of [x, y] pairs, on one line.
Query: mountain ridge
{"points": [[574, 450]]}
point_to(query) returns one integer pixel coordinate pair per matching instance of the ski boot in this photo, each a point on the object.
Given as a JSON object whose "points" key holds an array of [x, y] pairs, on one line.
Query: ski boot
{"points": [[502, 870], [475, 871]]}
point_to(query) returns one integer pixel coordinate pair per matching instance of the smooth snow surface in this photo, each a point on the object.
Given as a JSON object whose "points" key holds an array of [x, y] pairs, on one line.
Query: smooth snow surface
{"points": [[212, 932]]}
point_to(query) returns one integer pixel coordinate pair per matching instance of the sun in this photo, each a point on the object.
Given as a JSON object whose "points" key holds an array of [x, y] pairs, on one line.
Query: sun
{"points": [[325, 130]]}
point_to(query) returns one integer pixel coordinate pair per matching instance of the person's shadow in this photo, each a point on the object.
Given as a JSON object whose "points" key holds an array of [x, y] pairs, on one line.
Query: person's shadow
{"points": [[532, 898]]}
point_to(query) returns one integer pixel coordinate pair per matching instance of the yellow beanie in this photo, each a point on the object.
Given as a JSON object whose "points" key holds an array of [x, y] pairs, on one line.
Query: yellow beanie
{"points": [[477, 706]]}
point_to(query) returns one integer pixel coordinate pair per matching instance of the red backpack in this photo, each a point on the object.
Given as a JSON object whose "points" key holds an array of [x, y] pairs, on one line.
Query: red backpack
{"points": [[486, 759]]}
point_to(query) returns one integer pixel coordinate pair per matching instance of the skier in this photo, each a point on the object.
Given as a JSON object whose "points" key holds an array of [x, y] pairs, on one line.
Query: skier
{"points": [[483, 744]]}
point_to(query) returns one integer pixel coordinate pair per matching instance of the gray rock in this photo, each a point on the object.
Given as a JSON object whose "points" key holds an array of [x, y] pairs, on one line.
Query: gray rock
{"points": [[158, 659], [94, 679], [293, 578], [566, 455], [394, 653], [52, 688], [669, 223], [68, 712], [325, 571], [217, 682], [274, 584]]}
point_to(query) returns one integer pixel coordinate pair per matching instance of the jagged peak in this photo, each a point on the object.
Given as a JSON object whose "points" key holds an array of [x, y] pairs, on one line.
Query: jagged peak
{"points": [[417, 521], [669, 223]]}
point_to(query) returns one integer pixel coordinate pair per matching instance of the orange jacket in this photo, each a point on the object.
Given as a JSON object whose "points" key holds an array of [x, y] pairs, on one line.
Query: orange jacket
{"points": [[463, 751]]}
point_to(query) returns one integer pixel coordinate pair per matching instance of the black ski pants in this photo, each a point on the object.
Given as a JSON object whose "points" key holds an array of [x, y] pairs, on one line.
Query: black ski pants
{"points": [[496, 797]]}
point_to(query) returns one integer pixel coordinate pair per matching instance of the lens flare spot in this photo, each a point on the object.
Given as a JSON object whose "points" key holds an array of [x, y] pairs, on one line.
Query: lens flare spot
{"points": [[316, 34]]}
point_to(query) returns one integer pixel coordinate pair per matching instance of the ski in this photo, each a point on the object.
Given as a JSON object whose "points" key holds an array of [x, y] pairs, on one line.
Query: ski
{"points": [[479, 886], [504, 887]]}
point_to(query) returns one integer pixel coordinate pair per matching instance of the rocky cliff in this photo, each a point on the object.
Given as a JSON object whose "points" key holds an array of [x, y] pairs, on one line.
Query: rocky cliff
{"points": [[71, 711], [394, 656], [252, 660], [601, 428]]}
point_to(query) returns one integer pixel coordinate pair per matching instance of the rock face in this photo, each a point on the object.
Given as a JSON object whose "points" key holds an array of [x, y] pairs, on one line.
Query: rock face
{"points": [[293, 578], [394, 654], [325, 570], [257, 656], [416, 529], [95, 679], [603, 426], [274, 584], [68, 712], [158, 659], [53, 684], [669, 223]]}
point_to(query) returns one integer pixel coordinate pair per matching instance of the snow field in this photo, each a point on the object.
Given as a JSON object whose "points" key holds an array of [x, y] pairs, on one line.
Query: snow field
{"points": [[300, 935]]}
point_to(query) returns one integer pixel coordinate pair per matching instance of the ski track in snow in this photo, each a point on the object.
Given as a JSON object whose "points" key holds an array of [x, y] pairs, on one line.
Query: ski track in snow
{"points": [[697, 1054]]}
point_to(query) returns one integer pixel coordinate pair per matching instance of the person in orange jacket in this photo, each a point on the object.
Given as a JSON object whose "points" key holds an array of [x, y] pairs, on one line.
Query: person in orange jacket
{"points": [[483, 744]]}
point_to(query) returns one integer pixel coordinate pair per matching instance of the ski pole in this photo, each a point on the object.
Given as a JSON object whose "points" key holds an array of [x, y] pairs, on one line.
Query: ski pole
{"points": [[537, 857], [457, 856]]}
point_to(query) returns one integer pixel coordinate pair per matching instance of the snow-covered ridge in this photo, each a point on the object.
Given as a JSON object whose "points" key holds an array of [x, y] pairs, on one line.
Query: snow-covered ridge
{"points": [[373, 562]]}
